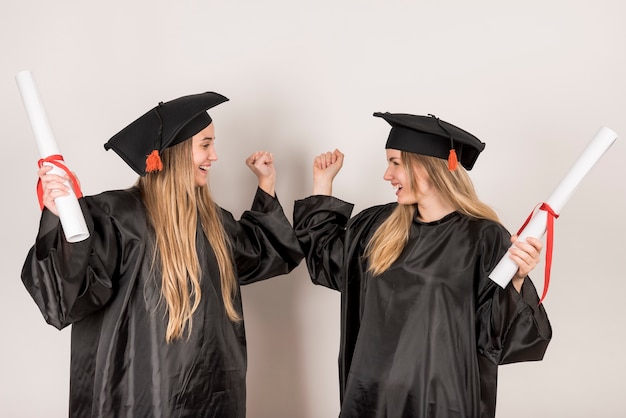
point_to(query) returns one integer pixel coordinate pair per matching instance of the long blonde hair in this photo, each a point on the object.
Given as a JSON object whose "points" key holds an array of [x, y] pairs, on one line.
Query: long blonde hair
{"points": [[455, 187], [173, 203]]}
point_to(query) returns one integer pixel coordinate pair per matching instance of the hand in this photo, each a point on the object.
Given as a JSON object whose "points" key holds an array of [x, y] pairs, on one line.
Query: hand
{"points": [[53, 186], [262, 164], [325, 168], [526, 255]]}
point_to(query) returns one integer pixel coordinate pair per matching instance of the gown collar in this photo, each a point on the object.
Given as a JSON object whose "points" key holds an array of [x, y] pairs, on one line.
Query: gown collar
{"points": [[449, 216]]}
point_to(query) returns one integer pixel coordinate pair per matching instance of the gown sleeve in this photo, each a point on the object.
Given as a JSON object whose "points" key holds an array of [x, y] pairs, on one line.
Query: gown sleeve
{"points": [[263, 241], [512, 326], [320, 224], [68, 281]]}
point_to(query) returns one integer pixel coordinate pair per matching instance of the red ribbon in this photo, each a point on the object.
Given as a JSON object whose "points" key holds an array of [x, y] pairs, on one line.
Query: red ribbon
{"points": [[549, 243], [57, 160]]}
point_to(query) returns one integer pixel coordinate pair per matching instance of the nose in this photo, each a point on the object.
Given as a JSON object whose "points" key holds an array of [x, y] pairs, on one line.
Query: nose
{"points": [[213, 154], [387, 176]]}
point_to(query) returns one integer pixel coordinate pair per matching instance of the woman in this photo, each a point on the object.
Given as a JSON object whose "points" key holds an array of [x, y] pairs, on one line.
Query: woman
{"points": [[423, 328], [153, 293]]}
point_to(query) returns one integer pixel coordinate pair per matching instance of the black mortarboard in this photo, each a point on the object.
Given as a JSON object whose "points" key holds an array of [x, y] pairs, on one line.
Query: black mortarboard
{"points": [[429, 135], [163, 126]]}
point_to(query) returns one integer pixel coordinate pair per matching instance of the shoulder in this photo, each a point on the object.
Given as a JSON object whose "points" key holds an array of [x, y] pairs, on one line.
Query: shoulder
{"points": [[371, 217], [488, 231], [113, 201], [225, 215], [229, 223], [377, 211]]}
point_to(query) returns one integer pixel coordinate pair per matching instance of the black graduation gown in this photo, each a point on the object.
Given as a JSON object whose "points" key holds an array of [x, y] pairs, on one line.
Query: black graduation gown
{"points": [[105, 287], [425, 338]]}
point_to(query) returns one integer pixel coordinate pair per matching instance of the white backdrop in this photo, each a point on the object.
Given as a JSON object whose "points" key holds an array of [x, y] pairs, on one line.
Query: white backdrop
{"points": [[534, 80]]}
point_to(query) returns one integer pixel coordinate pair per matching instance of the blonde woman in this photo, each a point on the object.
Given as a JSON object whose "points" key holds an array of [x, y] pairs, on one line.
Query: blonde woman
{"points": [[423, 328], [153, 293]]}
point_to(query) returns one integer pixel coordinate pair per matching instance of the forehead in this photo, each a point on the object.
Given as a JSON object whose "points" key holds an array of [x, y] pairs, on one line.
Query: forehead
{"points": [[206, 133], [393, 153]]}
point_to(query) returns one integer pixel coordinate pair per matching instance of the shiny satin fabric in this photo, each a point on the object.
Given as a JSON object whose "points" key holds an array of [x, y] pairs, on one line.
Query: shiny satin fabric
{"points": [[425, 338], [107, 288]]}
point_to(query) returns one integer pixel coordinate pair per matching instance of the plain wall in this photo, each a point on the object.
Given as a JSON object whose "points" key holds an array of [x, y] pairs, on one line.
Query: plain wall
{"points": [[534, 80]]}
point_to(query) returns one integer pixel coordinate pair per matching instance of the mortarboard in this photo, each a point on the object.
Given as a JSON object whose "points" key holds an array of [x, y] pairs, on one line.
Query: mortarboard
{"points": [[163, 126], [429, 135]]}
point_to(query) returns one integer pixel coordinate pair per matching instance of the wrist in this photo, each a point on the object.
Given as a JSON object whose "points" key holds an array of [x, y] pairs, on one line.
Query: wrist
{"points": [[322, 188], [268, 186]]}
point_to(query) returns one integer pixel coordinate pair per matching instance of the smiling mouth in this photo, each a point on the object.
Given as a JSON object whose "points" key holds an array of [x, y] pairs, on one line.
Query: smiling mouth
{"points": [[204, 167]]}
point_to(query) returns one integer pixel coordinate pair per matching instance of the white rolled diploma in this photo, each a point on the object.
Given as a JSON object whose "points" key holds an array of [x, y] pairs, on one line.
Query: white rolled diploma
{"points": [[536, 227], [70, 214]]}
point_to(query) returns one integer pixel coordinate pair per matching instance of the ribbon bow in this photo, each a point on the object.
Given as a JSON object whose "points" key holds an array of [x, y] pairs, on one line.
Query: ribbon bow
{"points": [[57, 160], [549, 243]]}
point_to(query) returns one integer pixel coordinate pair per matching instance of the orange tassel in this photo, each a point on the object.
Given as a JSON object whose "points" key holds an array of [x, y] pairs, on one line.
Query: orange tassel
{"points": [[453, 163], [153, 162]]}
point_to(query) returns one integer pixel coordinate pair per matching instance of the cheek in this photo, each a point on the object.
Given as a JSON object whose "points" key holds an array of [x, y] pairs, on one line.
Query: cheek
{"points": [[199, 156]]}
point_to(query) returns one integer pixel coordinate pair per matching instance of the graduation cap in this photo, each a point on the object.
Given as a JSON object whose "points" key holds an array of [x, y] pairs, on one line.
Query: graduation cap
{"points": [[429, 135], [163, 126]]}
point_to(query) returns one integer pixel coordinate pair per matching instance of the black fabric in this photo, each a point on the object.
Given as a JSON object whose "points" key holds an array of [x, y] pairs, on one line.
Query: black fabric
{"points": [[108, 290], [163, 126], [423, 339], [429, 135]]}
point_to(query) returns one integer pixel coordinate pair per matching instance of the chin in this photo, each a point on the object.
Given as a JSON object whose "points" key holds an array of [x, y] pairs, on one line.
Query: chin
{"points": [[405, 201]]}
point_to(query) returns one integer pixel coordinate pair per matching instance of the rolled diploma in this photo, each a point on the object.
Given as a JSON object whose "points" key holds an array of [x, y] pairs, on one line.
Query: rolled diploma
{"points": [[536, 227], [70, 214]]}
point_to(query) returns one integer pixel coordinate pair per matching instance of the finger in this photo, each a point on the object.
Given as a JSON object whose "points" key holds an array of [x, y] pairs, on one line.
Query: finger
{"points": [[331, 158], [56, 191], [536, 243], [41, 171], [527, 248], [250, 160], [50, 196], [265, 157], [522, 257], [322, 161]]}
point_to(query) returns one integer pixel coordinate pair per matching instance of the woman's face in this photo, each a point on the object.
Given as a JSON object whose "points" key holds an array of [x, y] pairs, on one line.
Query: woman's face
{"points": [[203, 146], [397, 175]]}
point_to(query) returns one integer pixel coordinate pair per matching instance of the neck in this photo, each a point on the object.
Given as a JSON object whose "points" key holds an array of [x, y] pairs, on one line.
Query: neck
{"points": [[433, 210]]}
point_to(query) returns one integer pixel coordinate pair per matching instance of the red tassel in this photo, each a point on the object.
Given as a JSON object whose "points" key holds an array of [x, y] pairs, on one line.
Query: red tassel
{"points": [[153, 162], [453, 163]]}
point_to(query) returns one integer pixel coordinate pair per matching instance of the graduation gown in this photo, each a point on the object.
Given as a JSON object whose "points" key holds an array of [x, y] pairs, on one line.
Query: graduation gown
{"points": [[109, 290], [425, 338]]}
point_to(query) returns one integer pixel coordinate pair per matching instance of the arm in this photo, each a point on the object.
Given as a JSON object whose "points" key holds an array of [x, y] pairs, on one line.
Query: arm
{"points": [[320, 222], [53, 186], [512, 326], [526, 256], [68, 281], [262, 164], [263, 242], [325, 168]]}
